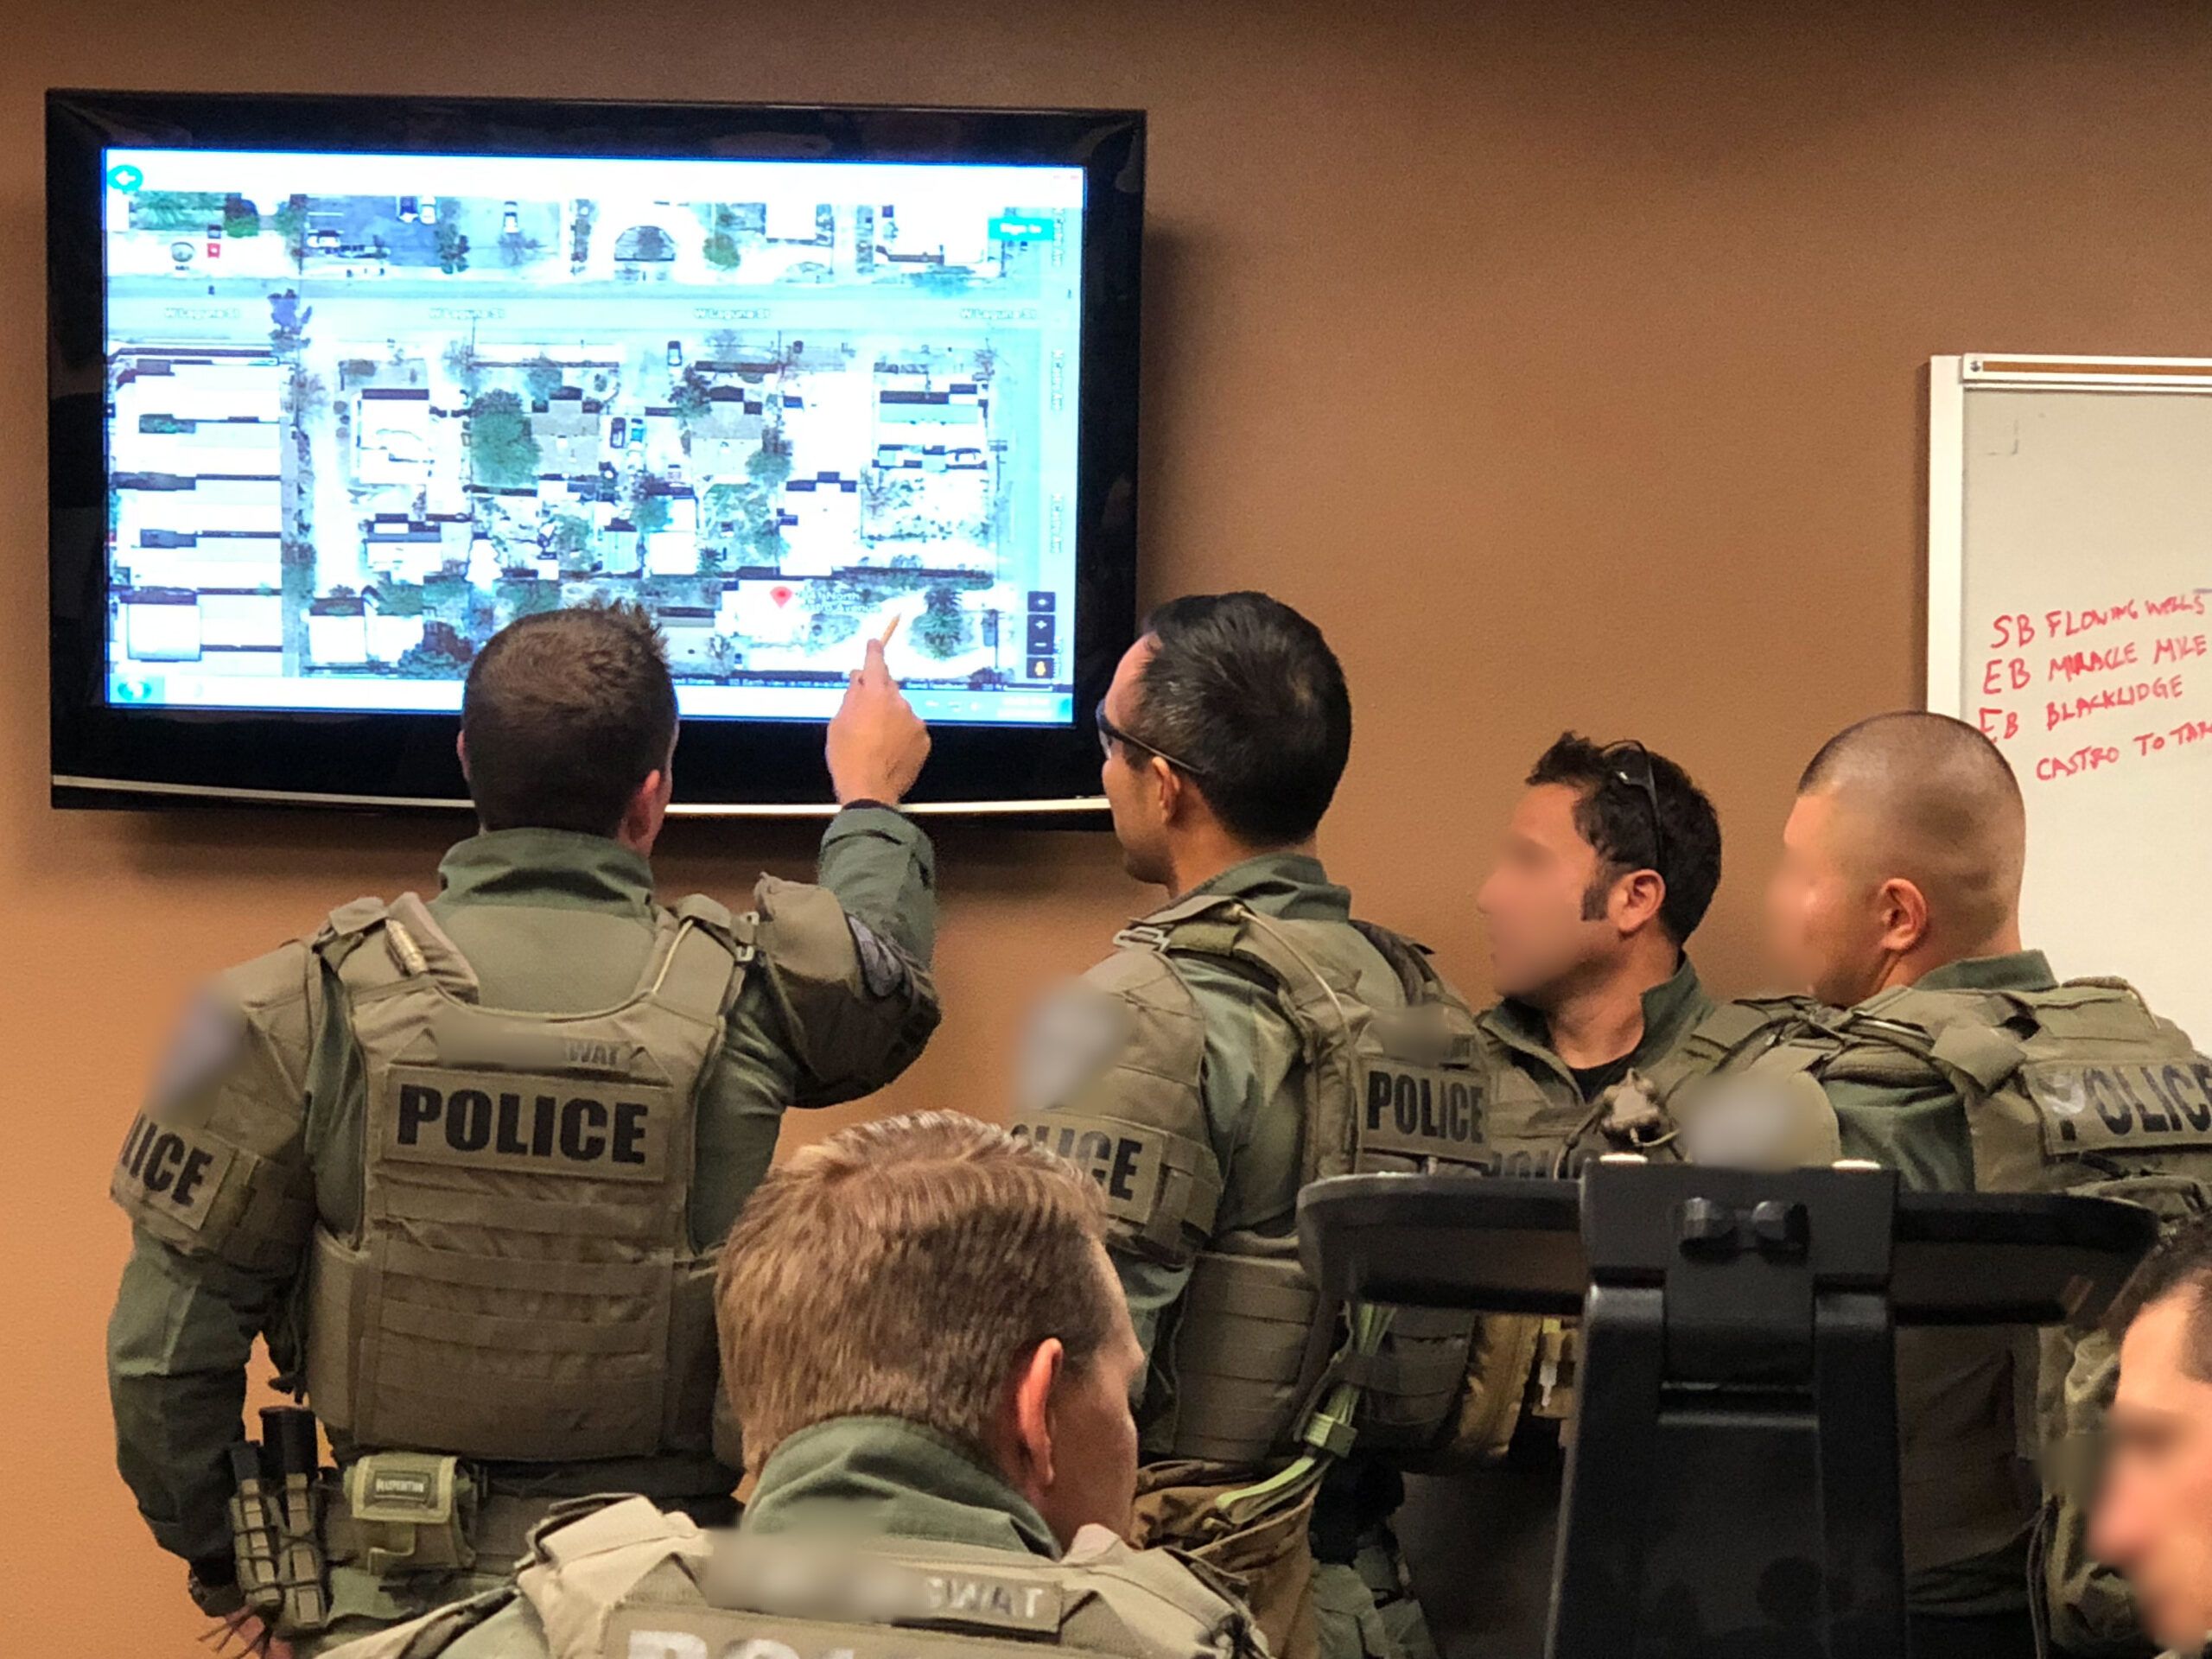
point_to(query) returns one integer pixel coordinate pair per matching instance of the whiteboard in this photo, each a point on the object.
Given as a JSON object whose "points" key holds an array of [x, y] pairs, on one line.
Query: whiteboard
{"points": [[2069, 605]]}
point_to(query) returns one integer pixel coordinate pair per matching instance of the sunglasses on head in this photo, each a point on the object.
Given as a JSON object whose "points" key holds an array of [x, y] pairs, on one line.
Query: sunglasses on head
{"points": [[1630, 764]]}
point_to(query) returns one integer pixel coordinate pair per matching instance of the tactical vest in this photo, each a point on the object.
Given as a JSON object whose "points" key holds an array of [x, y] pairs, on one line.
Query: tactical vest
{"points": [[1390, 1082], [1524, 1365], [627, 1581], [870, 1598], [522, 1285], [2079, 1088]]}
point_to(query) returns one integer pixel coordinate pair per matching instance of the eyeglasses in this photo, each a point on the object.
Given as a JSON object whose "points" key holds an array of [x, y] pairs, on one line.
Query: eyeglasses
{"points": [[1109, 734], [1631, 765]]}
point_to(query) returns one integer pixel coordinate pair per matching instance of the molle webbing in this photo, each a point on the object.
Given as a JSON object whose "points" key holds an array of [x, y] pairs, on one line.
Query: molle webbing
{"points": [[2077, 1086], [1253, 1339], [524, 1286], [1250, 1343]]}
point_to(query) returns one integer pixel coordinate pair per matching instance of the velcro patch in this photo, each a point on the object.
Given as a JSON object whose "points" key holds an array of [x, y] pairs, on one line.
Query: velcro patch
{"points": [[1074, 1033], [545, 1125], [1417, 1111], [1129, 1163], [170, 1171], [883, 970], [205, 1043], [467, 1040], [2086, 1109], [839, 1588]]}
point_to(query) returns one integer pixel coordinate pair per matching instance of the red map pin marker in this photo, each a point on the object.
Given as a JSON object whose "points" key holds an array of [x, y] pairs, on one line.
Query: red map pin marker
{"points": [[781, 595]]}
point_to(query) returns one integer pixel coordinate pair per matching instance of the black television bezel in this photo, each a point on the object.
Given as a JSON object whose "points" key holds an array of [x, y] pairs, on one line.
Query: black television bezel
{"points": [[104, 755]]}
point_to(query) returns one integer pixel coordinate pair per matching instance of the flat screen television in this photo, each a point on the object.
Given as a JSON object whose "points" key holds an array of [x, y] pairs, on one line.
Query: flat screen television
{"points": [[341, 385]]}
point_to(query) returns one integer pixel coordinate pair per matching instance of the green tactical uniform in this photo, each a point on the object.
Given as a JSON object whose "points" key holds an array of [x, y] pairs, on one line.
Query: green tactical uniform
{"points": [[866, 1536], [522, 1283], [1541, 1107], [1989, 1075], [1246, 1040]]}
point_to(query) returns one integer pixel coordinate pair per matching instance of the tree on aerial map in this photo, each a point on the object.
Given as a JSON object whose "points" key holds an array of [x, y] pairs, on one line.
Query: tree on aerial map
{"points": [[442, 655], [544, 377], [291, 222], [649, 512], [453, 249], [944, 628], [501, 450], [568, 539], [690, 397], [770, 466]]}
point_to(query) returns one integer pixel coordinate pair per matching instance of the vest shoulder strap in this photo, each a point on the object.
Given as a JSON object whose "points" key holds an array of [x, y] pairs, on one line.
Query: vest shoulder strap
{"points": [[581, 1562], [350, 921], [718, 918], [1962, 1034], [1989, 1054], [1717, 1041], [1730, 1025], [1206, 925], [1409, 960], [1189, 1589], [699, 957], [414, 947]]}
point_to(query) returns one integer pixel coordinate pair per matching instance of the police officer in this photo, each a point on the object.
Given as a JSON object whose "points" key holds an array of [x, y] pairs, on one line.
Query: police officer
{"points": [[1946, 1050], [1607, 867], [464, 1162], [932, 1362], [1247, 1038], [2154, 1510]]}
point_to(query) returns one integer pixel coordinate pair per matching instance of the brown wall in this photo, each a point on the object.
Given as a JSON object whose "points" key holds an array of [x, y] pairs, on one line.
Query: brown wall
{"points": [[1563, 362]]}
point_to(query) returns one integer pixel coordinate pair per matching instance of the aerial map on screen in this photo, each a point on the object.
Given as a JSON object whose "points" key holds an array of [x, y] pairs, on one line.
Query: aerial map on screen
{"points": [[364, 410]]}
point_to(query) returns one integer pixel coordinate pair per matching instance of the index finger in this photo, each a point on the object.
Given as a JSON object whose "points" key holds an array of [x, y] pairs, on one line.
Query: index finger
{"points": [[873, 671]]}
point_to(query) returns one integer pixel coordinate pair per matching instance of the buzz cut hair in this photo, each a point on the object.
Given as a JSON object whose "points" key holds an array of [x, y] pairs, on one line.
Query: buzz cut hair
{"points": [[1944, 808], [904, 1267], [1914, 744]]}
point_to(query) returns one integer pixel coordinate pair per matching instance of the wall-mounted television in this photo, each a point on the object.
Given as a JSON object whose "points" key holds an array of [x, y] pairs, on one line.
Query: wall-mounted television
{"points": [[341, 385]]}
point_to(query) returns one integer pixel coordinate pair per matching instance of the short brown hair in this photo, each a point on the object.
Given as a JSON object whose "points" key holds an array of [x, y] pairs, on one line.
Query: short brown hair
{"points": [[902, 1269], [566, 713]]}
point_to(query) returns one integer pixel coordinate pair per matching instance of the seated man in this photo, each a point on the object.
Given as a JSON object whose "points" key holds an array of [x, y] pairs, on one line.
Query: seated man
{"points": [[929, 1354], [2154, 1516]]}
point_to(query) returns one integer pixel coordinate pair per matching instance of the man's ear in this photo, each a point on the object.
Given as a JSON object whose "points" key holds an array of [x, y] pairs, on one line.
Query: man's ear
{"points": [[1169, 785], [648, 809], [1637, 900], [1034, 1383], [461, 748], [1901, 909]]}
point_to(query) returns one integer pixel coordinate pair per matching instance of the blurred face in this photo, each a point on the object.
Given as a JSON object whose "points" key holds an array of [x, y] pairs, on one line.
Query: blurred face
{"points": [[1532, 904], [2153, 1518], [1825, 924], [1134, 778], [1094, 1437]]}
